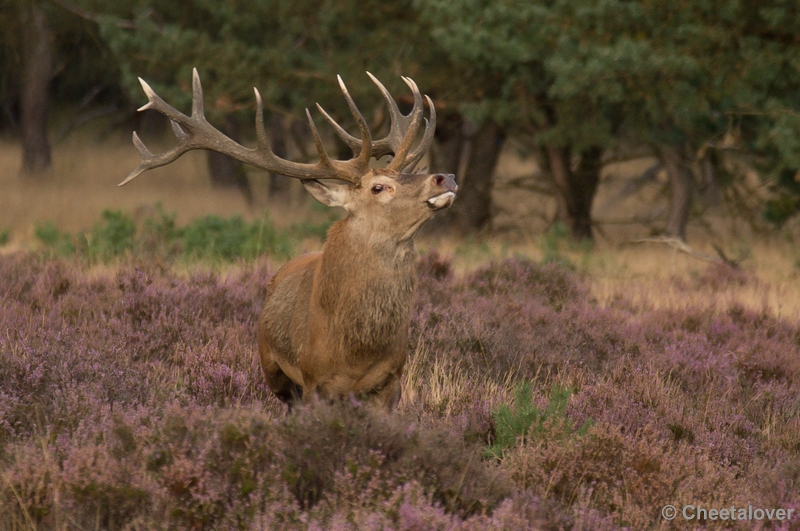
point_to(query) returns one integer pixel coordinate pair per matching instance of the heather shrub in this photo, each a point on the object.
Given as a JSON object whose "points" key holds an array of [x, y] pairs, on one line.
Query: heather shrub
{"points": [[382, 452], [26, 492], [143, 336], [206, 468], [131, 398], [517, 318], [628, 476], [432, 266], [550, 283]]}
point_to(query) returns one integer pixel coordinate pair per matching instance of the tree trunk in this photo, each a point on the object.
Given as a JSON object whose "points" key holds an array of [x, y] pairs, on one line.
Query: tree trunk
{"points": [[587, 178], [575, 190], [681, 185], [446, 158], [558, 159], [473, 207], [37, 71], [280, 186], [226, 172]]}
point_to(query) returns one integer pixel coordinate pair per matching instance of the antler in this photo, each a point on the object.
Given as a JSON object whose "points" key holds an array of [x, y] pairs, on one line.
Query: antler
{"points": [[402, 131], [194, 132]]}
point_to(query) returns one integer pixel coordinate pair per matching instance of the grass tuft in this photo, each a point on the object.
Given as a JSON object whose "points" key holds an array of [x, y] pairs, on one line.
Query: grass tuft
{"points": [[524, 420]]}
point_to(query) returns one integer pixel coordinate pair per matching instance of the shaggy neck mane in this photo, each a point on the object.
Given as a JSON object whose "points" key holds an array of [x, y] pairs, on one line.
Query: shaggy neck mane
{"points": [[368, 286]]}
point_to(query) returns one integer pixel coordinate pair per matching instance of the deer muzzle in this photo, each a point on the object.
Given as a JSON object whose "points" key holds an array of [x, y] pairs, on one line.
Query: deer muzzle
{"points": [[445, 185]]}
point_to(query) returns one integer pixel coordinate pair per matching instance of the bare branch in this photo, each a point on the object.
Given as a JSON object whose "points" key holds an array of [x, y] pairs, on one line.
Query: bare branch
{"points": [[682, 246]]}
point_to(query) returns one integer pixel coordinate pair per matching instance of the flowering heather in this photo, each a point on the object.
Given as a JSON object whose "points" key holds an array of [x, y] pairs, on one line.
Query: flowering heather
{"points": [[134, 400]]}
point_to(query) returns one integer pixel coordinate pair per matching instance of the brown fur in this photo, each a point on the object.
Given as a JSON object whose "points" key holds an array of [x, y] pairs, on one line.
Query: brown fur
{"points": [[335, 323]]}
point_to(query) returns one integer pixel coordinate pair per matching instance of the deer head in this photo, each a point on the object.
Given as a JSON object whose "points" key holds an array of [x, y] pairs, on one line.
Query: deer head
{"points": [[336, 322]]}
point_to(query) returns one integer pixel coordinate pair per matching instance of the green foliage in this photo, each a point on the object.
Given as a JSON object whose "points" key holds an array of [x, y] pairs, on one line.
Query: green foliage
{"points": [[305, 229], [778, 210], [111, 238], [213, 237], [209, 238], [567, 73], [553, 243], [786, 202], [290, 50], [56, 241], [473, 250], [4, 236], [160, 236], [525, 420]]}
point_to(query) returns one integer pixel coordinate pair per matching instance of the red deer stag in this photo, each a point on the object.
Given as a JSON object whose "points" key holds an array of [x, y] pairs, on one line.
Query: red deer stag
{"points": [[335, 322]]}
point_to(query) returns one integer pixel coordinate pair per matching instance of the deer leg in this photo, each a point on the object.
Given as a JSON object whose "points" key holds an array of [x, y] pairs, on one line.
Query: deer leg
{"points": [[388, 394], [281, 385]]}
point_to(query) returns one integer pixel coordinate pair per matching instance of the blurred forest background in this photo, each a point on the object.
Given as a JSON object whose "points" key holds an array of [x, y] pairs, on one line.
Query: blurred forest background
{"points": [[683, 110]]}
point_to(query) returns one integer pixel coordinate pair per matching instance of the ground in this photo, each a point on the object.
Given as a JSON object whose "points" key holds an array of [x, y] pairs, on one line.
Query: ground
{"points": [[550, 385]]}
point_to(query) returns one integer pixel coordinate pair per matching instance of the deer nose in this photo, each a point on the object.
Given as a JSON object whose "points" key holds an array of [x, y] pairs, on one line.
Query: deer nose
{"points": [[446, 181]]}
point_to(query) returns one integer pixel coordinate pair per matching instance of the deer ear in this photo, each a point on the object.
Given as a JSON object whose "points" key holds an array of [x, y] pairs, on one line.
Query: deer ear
{"points": [[331, 193]]}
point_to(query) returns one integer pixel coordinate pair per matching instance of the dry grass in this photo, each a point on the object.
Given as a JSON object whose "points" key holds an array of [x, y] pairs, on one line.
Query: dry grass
{"points": [[646, 278], [83, 183], [445, 387], [653, 276]]}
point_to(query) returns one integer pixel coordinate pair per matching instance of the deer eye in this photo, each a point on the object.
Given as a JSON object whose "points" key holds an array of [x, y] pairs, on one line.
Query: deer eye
{"points": [[378, 188]]}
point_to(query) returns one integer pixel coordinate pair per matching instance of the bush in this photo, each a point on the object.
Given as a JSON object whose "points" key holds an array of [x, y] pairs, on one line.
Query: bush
{"points": [[112, 238], [54, 240], [526, 421], [135, 400], [383, 452], [211, 238]]}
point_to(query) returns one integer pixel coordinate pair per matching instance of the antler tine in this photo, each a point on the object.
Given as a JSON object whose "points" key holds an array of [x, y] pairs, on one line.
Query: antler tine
{"points": [[401, 128], [323, 155], [261, 133], [380, 147], [194, 132], [366, 137], [427, 139], [398, 123], [347, 138], [150, 161], [413, 121], [157, 104], [198, 107]]}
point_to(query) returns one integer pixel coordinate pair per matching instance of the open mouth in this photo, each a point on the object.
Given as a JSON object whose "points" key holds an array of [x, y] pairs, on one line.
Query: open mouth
{"points": [[440, 201]]}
